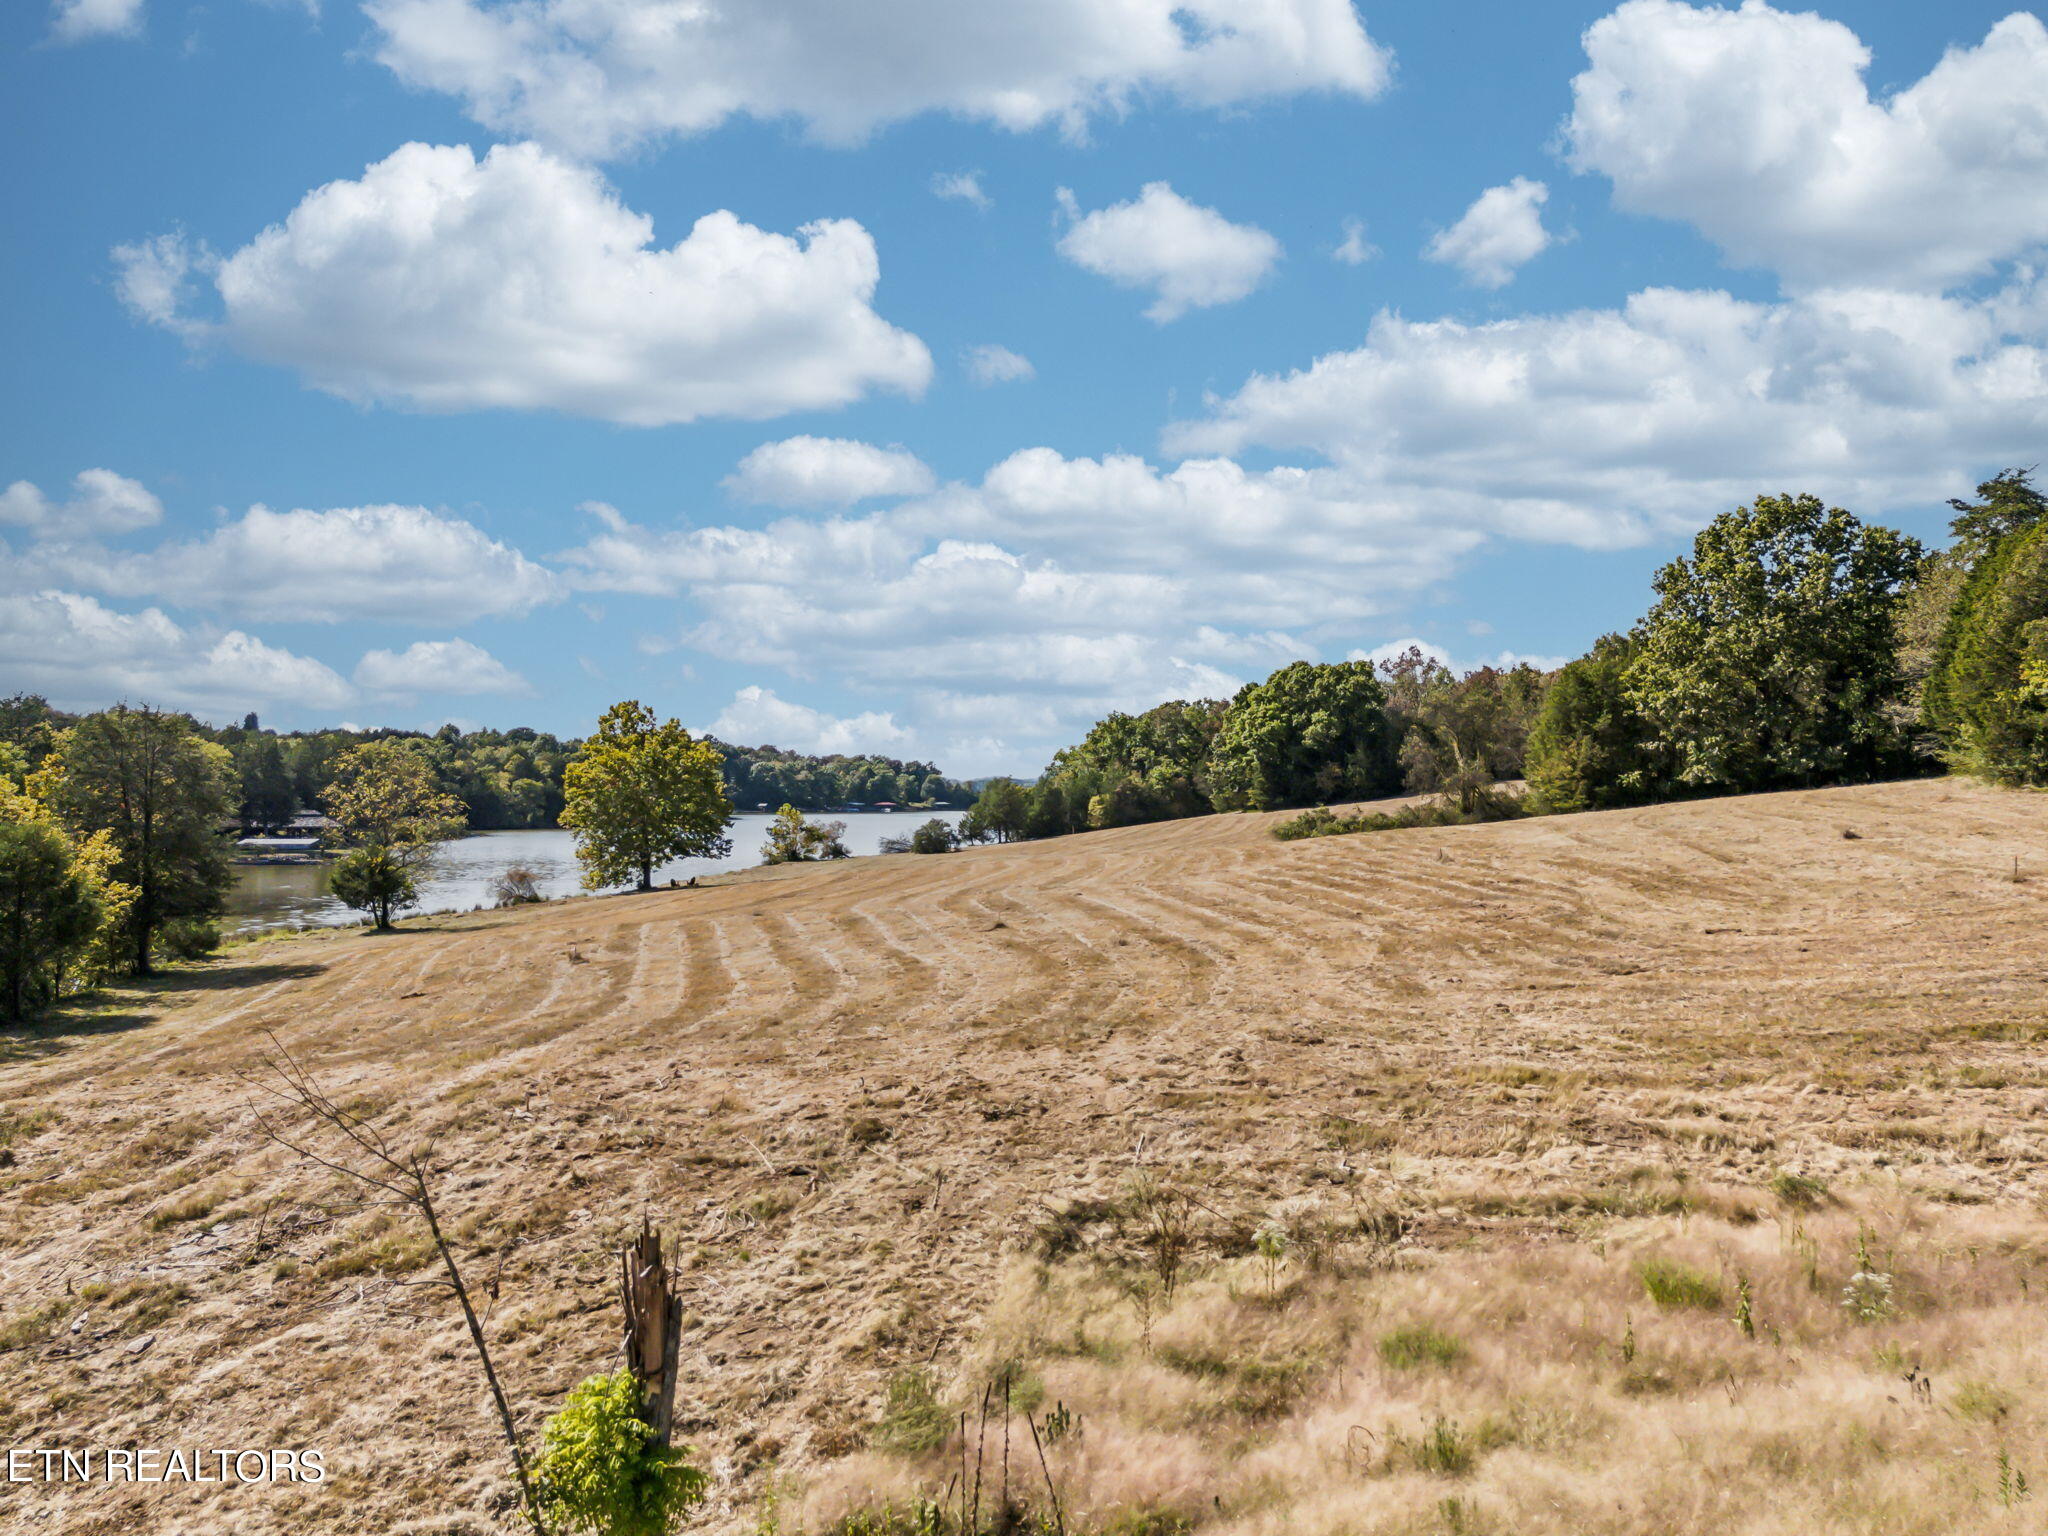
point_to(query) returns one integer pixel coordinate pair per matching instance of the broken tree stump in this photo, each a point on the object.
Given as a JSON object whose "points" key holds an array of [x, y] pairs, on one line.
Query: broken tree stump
{"points": [[654, 1326]]}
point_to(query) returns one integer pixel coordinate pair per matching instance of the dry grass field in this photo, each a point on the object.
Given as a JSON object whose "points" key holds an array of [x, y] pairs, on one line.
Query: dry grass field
{"points": [[1662, 1171]]}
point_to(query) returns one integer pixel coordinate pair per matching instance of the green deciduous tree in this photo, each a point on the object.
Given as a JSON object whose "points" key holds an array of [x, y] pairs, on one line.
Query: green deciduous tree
{"points": [[1308, 734], [793, 840], [1131, 768], [50, 912], [1459, 735], [163, 796], [384, 794], [934, 836], [377, 880], [1001, 813], [390, 810], [1771, 656], [2006, 503], [640, 793]]}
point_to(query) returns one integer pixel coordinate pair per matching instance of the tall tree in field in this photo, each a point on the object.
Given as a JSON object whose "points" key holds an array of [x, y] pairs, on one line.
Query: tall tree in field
{"points": [[162, 795], [390, 810], [640, 793], [1771, 656]]}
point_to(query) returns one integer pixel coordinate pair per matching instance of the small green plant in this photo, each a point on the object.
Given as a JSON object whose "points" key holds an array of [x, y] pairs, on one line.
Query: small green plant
{"points": [[1807, 1248], [1671, 1284], [1443, 1448], [1982, 1401], [1628, 1343], [1799, 1190], [1745, 1307], [601, 1470], [1868, 1295], [1060, 1423], [1270, 1243], [913, 1421], [2012, 1482], [922, 1517], [1417, 1345], [187, 938]]}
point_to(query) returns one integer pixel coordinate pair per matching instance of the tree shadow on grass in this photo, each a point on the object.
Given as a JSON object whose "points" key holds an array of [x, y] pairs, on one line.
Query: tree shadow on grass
{"points": [[132, 1003]]}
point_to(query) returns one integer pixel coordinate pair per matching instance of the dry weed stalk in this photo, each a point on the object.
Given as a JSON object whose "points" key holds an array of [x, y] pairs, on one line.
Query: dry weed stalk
{"points": [[404, 1180]]}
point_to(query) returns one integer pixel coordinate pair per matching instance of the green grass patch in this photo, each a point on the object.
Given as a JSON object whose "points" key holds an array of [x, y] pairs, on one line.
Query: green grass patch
{"points": [[1418, 1345], [914, 1422], [1672, 1285]]}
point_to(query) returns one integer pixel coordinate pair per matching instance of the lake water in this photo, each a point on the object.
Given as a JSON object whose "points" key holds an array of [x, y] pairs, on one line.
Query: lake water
{"points": [[276, 895]]}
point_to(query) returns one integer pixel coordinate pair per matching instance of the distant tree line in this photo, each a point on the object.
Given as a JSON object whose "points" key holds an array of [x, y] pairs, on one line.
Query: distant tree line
{"points": [[509, 779], [768, 777], [1796, 646], [1310, 734]]}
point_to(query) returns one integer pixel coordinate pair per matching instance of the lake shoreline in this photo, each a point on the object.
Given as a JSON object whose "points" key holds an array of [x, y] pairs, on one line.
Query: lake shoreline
{"points": [[289, 889]]}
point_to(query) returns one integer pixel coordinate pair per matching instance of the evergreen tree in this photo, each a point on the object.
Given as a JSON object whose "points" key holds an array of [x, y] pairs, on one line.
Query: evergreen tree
{"points": [[267, 796], [1987, 697], [1589, 747]]}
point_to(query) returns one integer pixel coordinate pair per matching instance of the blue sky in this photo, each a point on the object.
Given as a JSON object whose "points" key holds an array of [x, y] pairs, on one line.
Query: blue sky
{"points": [[369, 362]]}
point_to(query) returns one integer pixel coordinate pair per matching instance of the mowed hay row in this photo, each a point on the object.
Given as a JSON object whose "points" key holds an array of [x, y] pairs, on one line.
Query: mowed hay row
{"points": [[883, 1105]]}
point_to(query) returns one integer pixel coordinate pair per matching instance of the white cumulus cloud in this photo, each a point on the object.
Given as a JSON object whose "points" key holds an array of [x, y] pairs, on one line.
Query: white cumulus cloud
{"points": [[1600, 427], [991, 364], [84, 655], [1191, 257], [1757, 127], [597, 77], [1500, 231], [102, 502], [1013, 613], [522, 282], [825, 472], [395, 563], [1504, 660], [438, 666], [1355, 250], [76, 21], [960, 187], [757, 718]]}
